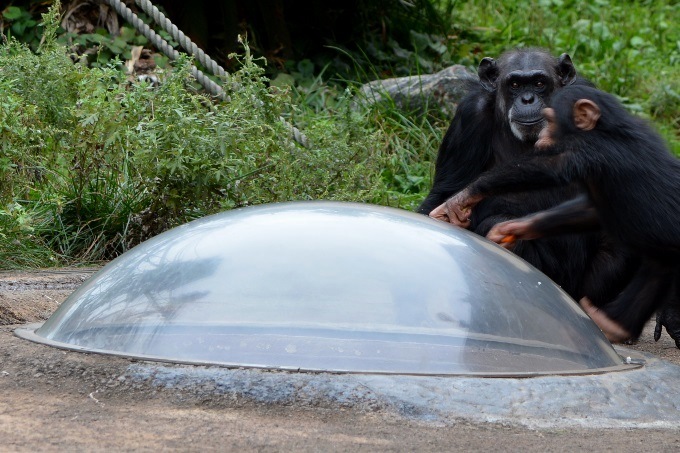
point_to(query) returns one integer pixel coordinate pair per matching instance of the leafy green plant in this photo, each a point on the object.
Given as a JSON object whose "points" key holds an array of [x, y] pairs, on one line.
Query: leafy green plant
{"points": [[19, 246], [94, 164], [20, 24], [98, 48], [106, 47]]}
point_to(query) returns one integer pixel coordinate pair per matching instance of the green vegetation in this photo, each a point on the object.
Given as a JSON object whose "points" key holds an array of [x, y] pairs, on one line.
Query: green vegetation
{"points": [[629, 48], [92, 163]]}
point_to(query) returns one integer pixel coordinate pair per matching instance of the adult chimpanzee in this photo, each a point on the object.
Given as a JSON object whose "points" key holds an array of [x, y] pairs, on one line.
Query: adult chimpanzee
{"points": [[633, 192], [497, 121]]}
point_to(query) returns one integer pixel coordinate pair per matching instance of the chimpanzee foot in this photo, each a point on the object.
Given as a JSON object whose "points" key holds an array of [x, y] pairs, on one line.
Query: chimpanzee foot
{"points": [[668, 317], [611, 329]]}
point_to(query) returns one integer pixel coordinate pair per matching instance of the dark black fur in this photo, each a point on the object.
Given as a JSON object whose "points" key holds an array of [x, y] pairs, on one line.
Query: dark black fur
{"points": [[632, 181], [480, 138]]}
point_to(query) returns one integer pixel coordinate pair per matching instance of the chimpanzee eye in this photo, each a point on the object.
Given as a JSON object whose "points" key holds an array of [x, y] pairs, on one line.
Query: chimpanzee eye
{"points": [[540, 84], [514, 85]]}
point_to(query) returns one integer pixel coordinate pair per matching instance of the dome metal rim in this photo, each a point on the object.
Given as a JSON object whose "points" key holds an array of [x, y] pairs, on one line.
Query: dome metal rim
{"points": [[27, 332]]}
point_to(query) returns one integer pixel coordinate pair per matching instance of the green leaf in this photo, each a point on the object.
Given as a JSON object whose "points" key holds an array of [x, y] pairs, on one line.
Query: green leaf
{"points": [[127, 34], [306, 68], [12, 13], [18, 28], [637, 41], [115, 49], [283, 80]]}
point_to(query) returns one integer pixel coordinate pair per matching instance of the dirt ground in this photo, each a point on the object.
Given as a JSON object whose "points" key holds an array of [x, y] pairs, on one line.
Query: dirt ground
{"points": [[54, 400]]}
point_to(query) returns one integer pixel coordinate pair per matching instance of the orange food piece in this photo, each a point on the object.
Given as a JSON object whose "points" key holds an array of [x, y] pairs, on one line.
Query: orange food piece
{"points": [[509, 238]]}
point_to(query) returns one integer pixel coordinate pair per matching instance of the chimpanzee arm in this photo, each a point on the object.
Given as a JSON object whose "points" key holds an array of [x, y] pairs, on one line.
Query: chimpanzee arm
{"points": [[465, 151], [574, 216], [537, 171], [577, 215]]}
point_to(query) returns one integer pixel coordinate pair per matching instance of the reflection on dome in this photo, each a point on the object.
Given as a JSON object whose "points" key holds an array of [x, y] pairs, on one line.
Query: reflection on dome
{"points": [[330, 287]]}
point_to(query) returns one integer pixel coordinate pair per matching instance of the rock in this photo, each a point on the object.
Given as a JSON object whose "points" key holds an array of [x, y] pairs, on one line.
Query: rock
{"points": [[421, 93]]}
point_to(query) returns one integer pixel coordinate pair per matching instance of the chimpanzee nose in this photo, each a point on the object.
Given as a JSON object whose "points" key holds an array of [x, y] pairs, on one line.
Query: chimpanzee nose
{"points": [[528, 98]]}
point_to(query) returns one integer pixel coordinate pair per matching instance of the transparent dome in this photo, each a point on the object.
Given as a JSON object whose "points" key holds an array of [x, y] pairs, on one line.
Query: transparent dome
{"points": [[328, 286]]}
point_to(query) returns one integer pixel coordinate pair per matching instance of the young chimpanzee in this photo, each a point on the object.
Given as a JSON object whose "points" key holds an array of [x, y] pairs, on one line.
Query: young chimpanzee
{"points": [[632, 184]]}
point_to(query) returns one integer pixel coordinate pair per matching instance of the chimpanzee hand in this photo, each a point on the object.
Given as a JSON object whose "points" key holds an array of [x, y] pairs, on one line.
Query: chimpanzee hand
{"points": [[457, 209], [507, 233], [668, 317]]}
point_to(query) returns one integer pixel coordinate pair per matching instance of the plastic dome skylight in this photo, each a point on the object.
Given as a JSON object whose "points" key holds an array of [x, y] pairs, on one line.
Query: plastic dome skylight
{"points": [[325, 286]]}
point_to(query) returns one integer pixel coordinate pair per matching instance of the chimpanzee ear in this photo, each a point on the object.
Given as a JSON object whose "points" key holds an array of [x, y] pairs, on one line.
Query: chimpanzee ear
{"points": [[488, 74], [566, 70], [586, 114]]}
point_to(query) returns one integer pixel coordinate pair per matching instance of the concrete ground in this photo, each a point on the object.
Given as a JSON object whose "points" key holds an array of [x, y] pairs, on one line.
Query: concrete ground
{"points": [[54, 400]]}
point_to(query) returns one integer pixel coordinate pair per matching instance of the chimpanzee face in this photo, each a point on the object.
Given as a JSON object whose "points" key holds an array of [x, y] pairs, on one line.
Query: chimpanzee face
{"points": [[525, 95], [523, 82]]}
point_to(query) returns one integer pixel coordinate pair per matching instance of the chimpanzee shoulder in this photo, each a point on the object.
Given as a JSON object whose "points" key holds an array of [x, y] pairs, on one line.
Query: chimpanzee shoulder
{"points": [[466, 149]]}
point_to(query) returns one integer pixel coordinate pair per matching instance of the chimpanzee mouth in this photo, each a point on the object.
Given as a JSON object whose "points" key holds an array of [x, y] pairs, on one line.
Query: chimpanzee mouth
{"points": [[532, 122]]}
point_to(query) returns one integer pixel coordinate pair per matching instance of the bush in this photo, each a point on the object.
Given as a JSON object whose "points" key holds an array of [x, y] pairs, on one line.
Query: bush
{"points": [[93, 163]]}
